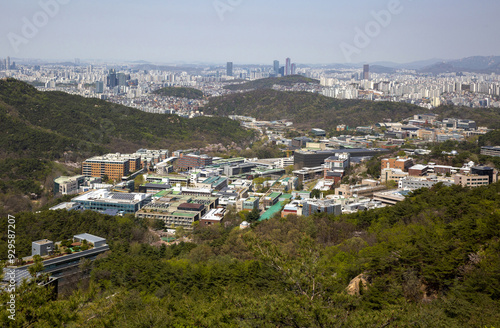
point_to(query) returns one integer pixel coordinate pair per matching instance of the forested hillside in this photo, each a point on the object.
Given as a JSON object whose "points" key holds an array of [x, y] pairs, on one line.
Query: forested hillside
{"points": [[309, 110], [268, 83], [38, 128], [180, 92], [76, 123], [430, 261]]}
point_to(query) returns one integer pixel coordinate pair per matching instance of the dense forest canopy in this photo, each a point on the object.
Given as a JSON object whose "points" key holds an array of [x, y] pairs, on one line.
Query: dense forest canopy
{"points": [[310, 110], [268, 83], [81, 124], [180, 92]]}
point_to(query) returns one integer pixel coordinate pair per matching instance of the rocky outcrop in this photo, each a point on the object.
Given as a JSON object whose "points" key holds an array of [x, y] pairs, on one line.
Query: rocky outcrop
{"points": [[357, 285]]}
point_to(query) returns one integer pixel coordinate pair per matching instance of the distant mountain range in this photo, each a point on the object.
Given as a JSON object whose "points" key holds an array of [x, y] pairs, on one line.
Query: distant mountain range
{"points": [[476, 64], [412, 65]]}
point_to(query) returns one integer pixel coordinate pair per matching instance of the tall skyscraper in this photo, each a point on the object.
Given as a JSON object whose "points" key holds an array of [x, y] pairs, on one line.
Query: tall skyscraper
{"points": [[99, 87], [8, 63], [121, 79], [293, 70], [229, 69], [288, 66], [112, 81], [366, 72], [276, 65]]}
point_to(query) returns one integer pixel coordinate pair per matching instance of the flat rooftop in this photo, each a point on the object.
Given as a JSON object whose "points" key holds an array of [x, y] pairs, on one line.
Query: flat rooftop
{"points": [[274, 195], [215, 179], [64, 179], [89, 237], [42, 242], [184, 214], [103, 195]]}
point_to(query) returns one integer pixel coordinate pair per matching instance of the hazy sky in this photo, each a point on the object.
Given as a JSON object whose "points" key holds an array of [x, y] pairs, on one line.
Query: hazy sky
{"points": [[249, 31]]}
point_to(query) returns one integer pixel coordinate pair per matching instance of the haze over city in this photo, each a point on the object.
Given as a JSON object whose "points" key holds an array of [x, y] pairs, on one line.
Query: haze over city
{"points": [[249, 32]]}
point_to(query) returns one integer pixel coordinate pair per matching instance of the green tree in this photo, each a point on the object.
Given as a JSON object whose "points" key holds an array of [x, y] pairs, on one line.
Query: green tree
{"points": [[180, 232], [36, 268], [315, 193], [138, 181], [253, 215]]}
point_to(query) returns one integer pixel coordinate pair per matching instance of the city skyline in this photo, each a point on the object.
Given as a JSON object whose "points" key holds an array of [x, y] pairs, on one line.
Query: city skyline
{"points": [[218, 31]]}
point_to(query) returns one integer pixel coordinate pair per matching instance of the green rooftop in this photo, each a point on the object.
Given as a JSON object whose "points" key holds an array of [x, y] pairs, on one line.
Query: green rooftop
{"points": [[286, 196], [274, 195], [163, 193], [184, 214], [276, 208]]}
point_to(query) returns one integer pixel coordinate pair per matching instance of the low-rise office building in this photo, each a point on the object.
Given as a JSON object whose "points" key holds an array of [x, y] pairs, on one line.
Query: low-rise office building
{"points": [[315, 158], [413, 183], [178, 210], [101, 200], [490, 151], [65, 185], [471, 180], [59, 262], [214, 183], [311, 206], [402, 164], [418, 170], [365, 189], [193, 161], [392, 175], [238, 169], [490, 172], [271, 199], [154, 187], [247, 204], [309, 173], [391, 197], [172, 179], [114, 166], [214, 216]]}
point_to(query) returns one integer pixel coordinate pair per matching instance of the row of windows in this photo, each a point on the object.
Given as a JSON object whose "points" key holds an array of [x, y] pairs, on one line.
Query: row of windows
{"points": [[170, 219]]}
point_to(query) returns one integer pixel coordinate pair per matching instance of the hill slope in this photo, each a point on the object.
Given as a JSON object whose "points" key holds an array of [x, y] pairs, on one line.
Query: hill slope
{"points": [[430, 261], [180, 92], [269, 82], [308, 110], [74, 123], [38, 128]]}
